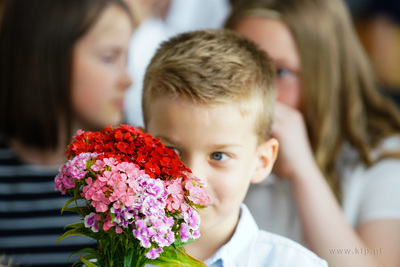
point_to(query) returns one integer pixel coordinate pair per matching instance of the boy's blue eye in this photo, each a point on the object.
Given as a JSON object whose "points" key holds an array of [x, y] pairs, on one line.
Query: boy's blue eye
{"points": [[282, 72], [218, 156]]}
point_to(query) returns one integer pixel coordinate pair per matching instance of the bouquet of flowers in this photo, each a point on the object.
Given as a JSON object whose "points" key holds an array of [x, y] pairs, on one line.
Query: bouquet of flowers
{"points": [[137, 199]]}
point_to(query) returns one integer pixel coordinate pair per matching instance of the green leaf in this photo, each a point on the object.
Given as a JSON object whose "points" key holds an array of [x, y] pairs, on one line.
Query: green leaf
{"points": [[76, 209], [75, 225], [67, 203], [88, 263], [176, 258], [128, 258], [90, 251], [76, 231]]}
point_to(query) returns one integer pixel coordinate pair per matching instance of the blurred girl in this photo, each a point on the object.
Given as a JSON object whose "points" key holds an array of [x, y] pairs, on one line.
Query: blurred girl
{"points": [[337, 178], [62, 68]]}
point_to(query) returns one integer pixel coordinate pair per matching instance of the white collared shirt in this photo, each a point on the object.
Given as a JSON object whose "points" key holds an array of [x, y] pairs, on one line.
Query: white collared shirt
{"points": [[368, 193], [250, 246]]}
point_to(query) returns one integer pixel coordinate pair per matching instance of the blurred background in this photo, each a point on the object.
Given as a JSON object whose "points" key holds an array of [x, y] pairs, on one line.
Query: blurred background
{"points": [[378, 25]]}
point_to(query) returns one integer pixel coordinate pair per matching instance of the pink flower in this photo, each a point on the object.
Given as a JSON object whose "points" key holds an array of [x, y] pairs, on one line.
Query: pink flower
{"points": [[98, 166], [110, 161], [197, 194], [100, 206], [63, 182], [105, 176], [128, 167], [108, 223], [176, 200], [118, 229]]}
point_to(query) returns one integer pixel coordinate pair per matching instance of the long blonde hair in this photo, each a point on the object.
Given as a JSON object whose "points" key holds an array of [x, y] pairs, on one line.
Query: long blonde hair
{"points": [[340, 99]]}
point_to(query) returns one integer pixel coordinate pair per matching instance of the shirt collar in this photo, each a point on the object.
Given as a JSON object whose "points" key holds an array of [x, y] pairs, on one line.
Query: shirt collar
{"points": [[245, 230]]}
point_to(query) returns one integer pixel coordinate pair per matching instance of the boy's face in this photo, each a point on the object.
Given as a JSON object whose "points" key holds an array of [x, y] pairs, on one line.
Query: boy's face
{"points": [[219, 145]]}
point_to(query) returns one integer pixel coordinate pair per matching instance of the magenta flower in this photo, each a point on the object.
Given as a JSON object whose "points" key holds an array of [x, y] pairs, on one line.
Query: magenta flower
{"points": [[91, 221], [154, 253]]}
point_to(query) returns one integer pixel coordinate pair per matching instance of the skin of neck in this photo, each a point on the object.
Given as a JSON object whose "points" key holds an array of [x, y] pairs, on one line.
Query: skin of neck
{"points": [[213, 238]]}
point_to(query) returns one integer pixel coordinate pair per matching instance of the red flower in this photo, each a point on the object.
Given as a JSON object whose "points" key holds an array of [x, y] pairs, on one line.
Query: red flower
{"points": [[126, 143]]}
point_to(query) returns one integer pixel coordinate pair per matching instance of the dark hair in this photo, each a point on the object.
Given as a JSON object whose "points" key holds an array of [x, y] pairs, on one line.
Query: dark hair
{"points": [[36, 49]]}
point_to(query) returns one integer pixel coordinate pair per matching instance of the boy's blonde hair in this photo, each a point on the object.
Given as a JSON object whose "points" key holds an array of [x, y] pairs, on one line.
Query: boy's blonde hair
{"points": [[213, 67]]}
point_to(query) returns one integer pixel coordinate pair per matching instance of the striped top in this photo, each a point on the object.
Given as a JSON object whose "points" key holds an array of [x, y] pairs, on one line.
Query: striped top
{"points": [[30, 218]]}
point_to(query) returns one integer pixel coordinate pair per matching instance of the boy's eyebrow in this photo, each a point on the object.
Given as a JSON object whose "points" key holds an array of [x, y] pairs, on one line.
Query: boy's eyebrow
{"points": [[216, 146], [164, 138], [221, 146], [283, 62]]}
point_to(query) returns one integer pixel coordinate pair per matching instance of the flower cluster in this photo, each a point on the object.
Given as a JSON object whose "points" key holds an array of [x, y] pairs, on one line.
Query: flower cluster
{"points": [[128, 144], [135, 189]]}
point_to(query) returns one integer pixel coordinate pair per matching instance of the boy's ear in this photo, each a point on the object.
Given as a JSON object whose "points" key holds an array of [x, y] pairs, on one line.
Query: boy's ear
{"points": [[266, 156]]}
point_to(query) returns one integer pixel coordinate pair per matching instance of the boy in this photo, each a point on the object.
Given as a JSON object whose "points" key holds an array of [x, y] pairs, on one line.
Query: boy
{"points": [[209, 95]]}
